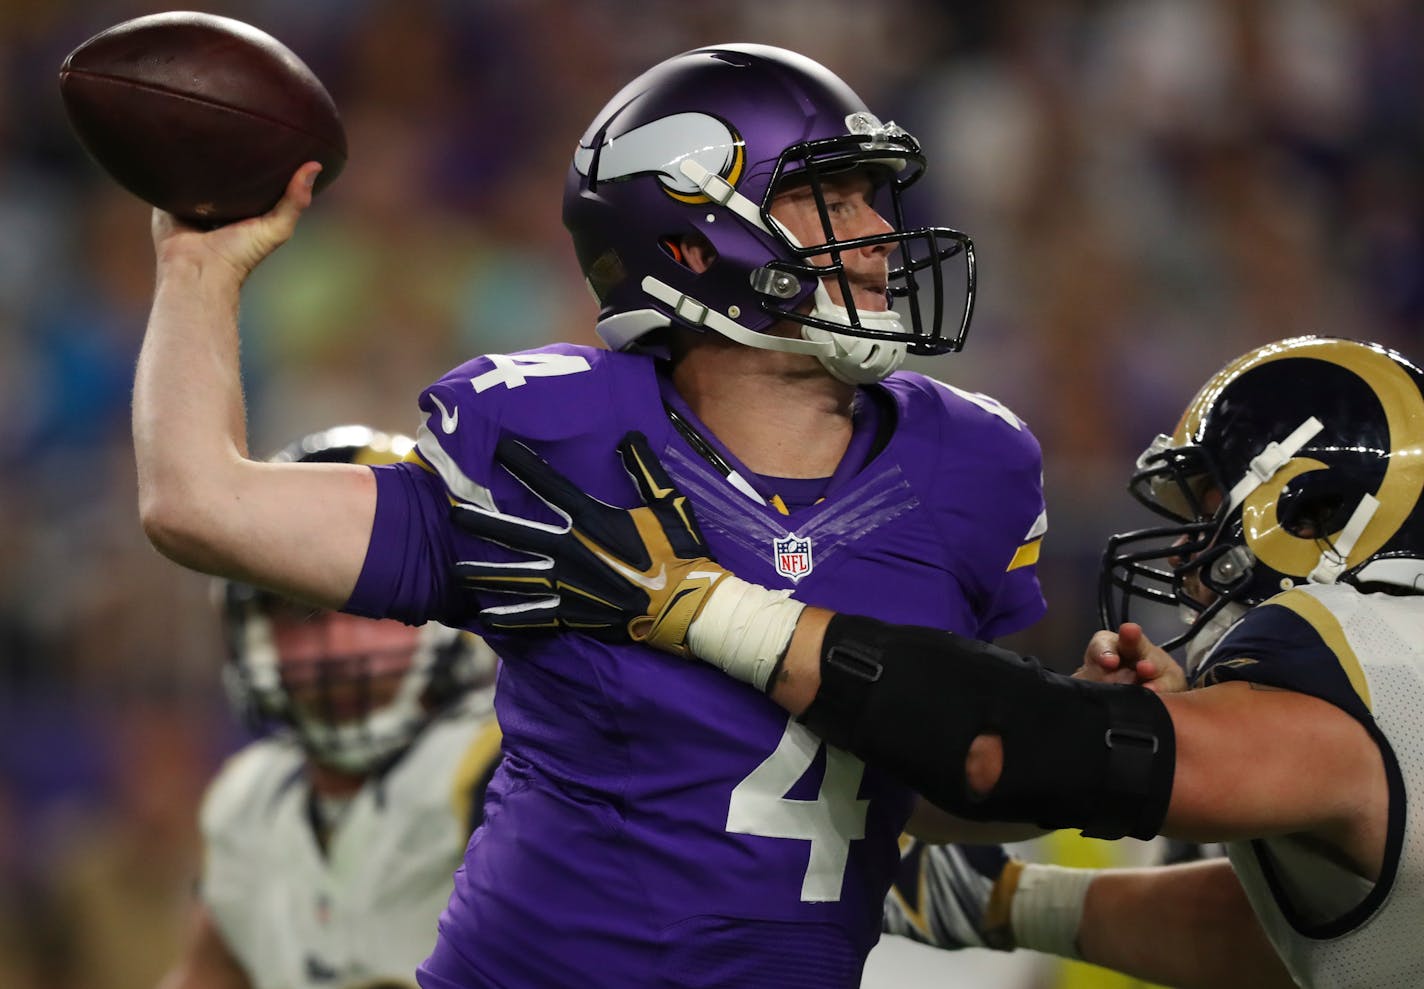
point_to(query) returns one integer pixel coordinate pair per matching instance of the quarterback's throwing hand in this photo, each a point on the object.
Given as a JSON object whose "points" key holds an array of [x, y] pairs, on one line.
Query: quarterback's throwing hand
{"points": [[642, 573]]}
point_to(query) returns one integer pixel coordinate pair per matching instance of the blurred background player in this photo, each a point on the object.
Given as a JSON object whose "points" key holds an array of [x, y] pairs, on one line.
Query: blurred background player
{"points": [[331, 842]]}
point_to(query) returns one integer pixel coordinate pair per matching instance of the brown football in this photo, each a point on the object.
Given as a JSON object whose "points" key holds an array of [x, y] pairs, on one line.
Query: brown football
{"points": [[203, 116]]}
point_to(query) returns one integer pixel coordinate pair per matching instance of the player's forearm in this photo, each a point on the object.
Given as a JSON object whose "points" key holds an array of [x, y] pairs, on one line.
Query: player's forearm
{"points": [[984, 733], [795, 687], [799, 677], [188, 419], [1187, 925]]}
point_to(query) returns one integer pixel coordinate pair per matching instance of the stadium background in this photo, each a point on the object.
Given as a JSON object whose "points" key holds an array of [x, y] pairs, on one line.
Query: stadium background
{"points": [[1154, 186]]}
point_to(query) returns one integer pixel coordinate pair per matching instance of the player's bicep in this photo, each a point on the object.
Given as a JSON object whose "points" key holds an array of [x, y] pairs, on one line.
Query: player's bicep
{"points": [[206, 961], [297, 528], [300, 529], [1255, 761], [310, 530]]}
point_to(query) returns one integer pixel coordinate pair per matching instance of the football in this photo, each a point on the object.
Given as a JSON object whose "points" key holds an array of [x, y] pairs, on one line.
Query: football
{"points": [[203, 116]]}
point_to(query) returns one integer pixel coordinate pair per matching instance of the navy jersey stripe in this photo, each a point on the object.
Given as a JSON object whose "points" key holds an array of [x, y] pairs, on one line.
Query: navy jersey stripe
{"points": [[1295, 643]]}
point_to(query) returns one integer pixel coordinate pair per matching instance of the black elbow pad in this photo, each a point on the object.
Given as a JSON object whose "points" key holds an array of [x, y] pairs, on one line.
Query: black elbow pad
{"points": [[910, 700]]}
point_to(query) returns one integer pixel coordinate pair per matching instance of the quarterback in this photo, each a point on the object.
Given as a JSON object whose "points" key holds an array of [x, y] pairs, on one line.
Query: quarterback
{"points": [[739, 215]]}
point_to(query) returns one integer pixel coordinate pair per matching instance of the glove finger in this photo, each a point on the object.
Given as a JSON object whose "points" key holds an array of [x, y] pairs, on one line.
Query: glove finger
{"points": [[669, 505], [508, 530], [644, 467], [534, 472], [679, 524], [533, 577], [547, 613], [531, 616], [591, 617]]}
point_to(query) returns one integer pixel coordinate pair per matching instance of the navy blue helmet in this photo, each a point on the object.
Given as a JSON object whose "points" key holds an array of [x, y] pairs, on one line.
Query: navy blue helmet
{"points": [[1301, 461]]}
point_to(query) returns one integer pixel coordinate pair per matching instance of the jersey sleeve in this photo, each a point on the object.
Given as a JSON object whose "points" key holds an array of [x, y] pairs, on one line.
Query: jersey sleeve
{"points": [[1294, 642], [568, 402], [1018, 602], [997, 519]]}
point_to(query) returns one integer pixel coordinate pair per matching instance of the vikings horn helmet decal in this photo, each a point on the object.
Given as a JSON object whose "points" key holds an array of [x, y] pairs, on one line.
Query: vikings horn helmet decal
{"points": [[712, 143], [1300, 461]]}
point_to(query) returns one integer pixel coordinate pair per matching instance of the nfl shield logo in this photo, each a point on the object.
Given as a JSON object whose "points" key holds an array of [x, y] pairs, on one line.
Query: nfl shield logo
{"points": [[792, 555]]}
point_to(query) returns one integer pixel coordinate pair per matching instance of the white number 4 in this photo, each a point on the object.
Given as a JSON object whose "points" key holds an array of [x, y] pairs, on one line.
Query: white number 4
{"points": [[830, 823], [514, 371]]}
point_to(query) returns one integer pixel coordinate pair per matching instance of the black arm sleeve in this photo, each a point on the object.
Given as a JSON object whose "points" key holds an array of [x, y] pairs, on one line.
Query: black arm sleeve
{"points": [[910, 700]]}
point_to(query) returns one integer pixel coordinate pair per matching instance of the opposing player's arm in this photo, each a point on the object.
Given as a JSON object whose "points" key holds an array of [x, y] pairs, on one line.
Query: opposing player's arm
{"points": [[206, 961], [1154, 923], [1177, 747], [298, 528], [1149, 923], [981, 732], [1297, 764]]}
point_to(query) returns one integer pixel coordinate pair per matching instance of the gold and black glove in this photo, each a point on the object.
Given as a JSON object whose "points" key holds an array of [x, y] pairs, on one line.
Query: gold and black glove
{"points": [[640, 574]]}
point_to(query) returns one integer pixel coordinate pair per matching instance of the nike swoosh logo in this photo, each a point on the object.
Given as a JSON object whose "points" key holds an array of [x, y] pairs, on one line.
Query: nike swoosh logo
{"points": [[448, 422], [656, 583]]}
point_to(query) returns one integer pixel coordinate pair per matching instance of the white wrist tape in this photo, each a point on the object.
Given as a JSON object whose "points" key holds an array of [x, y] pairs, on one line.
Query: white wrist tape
{"points": [[744, 629], [1048, 906]]}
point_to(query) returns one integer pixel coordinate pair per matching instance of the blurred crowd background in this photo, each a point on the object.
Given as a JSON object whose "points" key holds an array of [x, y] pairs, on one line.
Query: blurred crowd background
{"points": [[1153, 186]]}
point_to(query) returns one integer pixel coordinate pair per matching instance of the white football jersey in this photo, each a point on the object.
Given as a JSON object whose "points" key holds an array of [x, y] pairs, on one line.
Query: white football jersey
{"points": [[1365, 654], [366, 910]]}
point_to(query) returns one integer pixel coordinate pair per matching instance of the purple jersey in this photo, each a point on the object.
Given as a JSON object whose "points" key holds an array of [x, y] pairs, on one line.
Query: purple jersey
{"points": [[655, 822]]}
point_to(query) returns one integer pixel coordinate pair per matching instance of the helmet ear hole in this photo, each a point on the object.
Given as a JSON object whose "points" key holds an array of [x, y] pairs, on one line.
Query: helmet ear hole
{"points": [[673, 249], [1315, 512], [691, 250]]}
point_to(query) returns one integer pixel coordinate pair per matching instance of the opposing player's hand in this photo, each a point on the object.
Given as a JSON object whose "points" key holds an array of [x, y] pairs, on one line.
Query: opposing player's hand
{"points": [[237, 247], [1128, 656], [954, 896], [641, 574]]}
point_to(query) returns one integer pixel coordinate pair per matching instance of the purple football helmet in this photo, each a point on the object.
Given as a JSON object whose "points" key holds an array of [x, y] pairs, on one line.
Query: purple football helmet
{"points": [[697, 145]]}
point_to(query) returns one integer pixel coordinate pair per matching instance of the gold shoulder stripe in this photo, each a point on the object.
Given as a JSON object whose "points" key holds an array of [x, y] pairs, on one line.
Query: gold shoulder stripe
{"points": [[414, 457], [1321, 619], [474, 769], [1026, 556]]}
